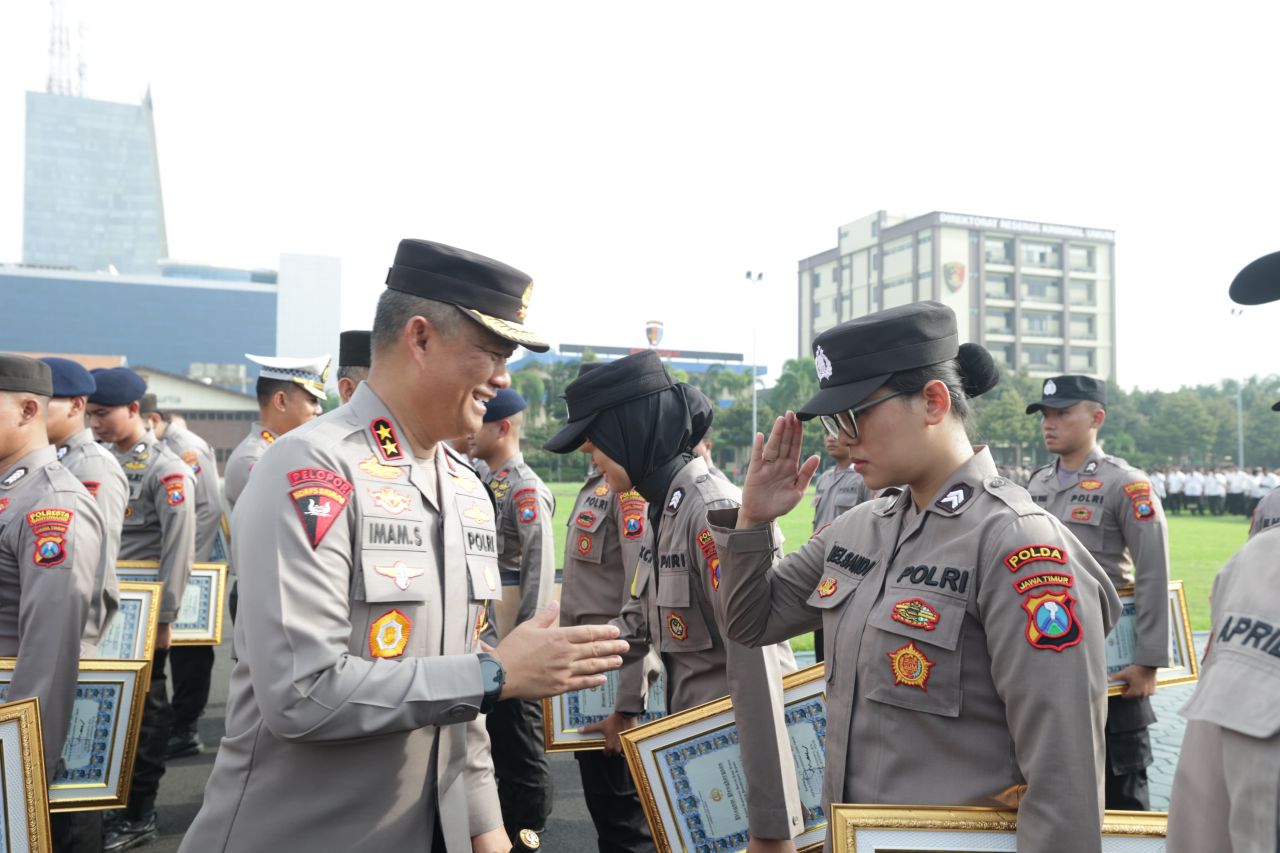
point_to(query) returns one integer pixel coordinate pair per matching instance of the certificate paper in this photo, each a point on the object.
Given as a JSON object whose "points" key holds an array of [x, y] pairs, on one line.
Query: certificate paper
{"points": [[563, 716], [1122, 643]]}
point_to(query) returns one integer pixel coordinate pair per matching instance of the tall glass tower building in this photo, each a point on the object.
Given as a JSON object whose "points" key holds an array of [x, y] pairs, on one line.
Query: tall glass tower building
{"points": [[93, 197]]}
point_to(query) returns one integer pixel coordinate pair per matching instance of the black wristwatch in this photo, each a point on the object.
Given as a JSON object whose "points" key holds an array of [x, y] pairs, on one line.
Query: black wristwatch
{"points": [[493, 676]]}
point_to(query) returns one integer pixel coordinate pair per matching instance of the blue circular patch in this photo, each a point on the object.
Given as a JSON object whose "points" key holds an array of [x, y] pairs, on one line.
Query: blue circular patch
{"points": [[50, 550], [1052, 619]]}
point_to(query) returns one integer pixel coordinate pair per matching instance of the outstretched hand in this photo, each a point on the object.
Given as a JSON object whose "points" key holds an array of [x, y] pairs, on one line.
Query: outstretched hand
{"points": [[776, 479]]}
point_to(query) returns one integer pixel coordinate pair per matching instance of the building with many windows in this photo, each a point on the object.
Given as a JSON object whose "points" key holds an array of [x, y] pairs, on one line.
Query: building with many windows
{"points": [[1039, 296]]}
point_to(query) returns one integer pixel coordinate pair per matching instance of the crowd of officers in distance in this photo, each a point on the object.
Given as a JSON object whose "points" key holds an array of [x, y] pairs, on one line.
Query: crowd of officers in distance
{"points": [[383, 695]]}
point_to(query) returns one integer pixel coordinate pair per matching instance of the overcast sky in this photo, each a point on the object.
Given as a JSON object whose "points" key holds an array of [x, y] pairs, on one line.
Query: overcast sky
{"points": [[636, 159]]}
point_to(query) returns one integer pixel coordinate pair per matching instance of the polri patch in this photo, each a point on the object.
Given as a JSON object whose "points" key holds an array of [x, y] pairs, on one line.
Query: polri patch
{"points": [[910, 666], [384, 436], [49, 527], [1024, 585], [1052, 622], [1015, 560], [676, 626], [957, 496], [175, 489], [320, 496], [389, 635], [916, 614]]}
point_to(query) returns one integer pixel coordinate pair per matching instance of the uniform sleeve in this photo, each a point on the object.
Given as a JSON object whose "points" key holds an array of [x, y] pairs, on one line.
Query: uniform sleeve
{"points": [[755, 685], [58, 550], [534, 508], [1049, 668], [632, 681], [173, 499], [106, 483], [483, 806], [764, 601], [208, 504], [633, 626], [1145, 531], [238, 469], [295, 615]]}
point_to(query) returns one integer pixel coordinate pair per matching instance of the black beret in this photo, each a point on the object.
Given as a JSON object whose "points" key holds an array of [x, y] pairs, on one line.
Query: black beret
{"points": [[70, 378], [1259, 282], [493, 294], [1063, 391], [354, 349], [611, 384], [503, 405], [117, 386], [25, 375], [856, 357]]}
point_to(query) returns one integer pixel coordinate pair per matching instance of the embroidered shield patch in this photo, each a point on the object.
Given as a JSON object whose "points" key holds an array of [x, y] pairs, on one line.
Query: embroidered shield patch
{"points": [[910, 667], [527, 506], [174, 489], [320, 496], [49, 526], [1051, 621], [676, 626], [389, 635], [827, 588], [584, 543]]}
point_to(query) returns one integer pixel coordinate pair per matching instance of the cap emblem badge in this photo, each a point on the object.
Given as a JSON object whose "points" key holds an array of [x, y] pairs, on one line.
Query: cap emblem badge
{"points": [[524, 302], [1050, 388], [823, 364]]}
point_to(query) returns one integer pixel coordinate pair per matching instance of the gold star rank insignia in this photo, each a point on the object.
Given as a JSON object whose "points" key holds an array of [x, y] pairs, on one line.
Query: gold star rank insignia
{"points": [[384, 435]]}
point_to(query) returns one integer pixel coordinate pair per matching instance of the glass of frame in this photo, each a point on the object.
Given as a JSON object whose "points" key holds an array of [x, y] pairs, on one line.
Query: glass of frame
{"points": [[1183, 666], [103, 738], [132, 632], [689, 773], [564, 715], [199, 620], [972, 829], [24, 825]]}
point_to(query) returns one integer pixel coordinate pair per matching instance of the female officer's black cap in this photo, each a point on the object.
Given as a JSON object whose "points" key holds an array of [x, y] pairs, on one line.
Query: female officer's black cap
{"points": [[856, 357], [606, 386], [1259, 282]]}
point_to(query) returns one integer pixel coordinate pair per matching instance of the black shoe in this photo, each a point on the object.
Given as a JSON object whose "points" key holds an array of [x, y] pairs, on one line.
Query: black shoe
{"points": [[128, 834], [182, 744]]}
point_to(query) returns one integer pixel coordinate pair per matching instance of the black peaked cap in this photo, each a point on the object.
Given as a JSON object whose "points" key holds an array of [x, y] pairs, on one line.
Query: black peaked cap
{"points": [[354, 349], [604, 387], [1259, 282], [1060, 392]]}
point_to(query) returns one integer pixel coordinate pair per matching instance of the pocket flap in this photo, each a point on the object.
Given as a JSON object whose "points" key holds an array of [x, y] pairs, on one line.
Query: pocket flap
{"points": [[486, 583], [588, 520], [833, 589], [1237, 693], [922, 616], [673, 589]]}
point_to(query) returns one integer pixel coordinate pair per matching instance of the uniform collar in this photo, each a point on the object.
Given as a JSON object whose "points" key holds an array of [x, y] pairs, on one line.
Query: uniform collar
{"points": [[260, 432], [28, 465], [386, 442], [685, 478], [959, 491], [1088, 468], [139, 447], [81, 438], [516, 459]]}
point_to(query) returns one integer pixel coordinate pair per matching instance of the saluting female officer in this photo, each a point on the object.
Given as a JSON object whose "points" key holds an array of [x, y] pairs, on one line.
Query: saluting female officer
{"points": [[964, 625], [640, 427]]}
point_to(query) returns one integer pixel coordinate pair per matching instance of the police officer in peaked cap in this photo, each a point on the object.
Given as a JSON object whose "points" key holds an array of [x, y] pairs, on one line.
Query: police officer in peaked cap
{"points": [[1226, 790], [964, 626], [354, 360]]}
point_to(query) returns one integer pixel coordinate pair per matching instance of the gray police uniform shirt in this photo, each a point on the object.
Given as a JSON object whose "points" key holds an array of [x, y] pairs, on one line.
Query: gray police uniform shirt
{"points": [[1110, 507], [526, 541], [159, 520], [352, 718], [675, 606], [965, 651], [98, 471], [1226, 790], [601, 552], [241, 461], [198, 456], [51, 535], [836, 492], [1267, 514]]}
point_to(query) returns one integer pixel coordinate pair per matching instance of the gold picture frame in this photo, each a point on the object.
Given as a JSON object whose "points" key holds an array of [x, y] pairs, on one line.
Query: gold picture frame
{"points": [[103, 739], [860, 828], [24, 815], [200, 618], [564, 715], [132, 632], [1184, 663], [662, 756]]}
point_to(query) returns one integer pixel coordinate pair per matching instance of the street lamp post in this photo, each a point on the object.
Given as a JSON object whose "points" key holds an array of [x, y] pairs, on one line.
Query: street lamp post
{"points": [[755, 427]]}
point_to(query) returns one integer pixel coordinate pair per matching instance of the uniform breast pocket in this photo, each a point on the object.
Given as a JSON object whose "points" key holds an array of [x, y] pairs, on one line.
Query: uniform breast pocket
{"points": [[1085, 523], [831, 596], [913, 645], [395, 576], [683, 628], [587, 531]]}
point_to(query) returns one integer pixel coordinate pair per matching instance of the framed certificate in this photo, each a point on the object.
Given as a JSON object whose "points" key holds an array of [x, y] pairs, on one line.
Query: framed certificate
{"points": [[972, 829], [199, 621], [688, 770], [1183, 666], [103, 738], [23, 799], [132, 632], [564, 715], [221, 550]]}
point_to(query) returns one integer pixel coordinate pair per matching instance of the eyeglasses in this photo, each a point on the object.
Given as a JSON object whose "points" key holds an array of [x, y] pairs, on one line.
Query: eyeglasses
{"points": [[847, 421]]}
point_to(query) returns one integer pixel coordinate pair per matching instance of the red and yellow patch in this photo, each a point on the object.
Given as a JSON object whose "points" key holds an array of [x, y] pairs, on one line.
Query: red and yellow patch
{"points": [[193, 461], [1081, 513], [1091, 485], [1024, 585], [633, 507], [1051, 621], [916, 614], [1139, 493], [175, 489], [482, 622], [92, 486], [707, 545], [389, 635], [1034, 554], [527, 505], [386, 440], [586, 518], [372, 467], [676, 626], [49, 527], [268, 436], [584, 543], [910, 667], [320, 496], [4, 504], [391, 500], [602, 490], [827, 588]]}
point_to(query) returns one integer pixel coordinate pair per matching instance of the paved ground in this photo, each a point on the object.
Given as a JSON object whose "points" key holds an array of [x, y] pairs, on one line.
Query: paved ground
{"points": [[570, 829]]}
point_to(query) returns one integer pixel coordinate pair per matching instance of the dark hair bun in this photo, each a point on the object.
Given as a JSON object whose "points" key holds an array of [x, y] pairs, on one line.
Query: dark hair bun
{"points": [[978, 369]]}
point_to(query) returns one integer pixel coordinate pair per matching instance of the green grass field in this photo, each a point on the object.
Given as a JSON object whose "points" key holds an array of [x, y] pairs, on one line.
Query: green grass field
{"points": [[1198, 548]]}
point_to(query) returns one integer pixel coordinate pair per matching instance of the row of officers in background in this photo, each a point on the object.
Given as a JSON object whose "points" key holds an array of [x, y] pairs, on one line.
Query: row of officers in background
{"points": [[964, 618]]}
